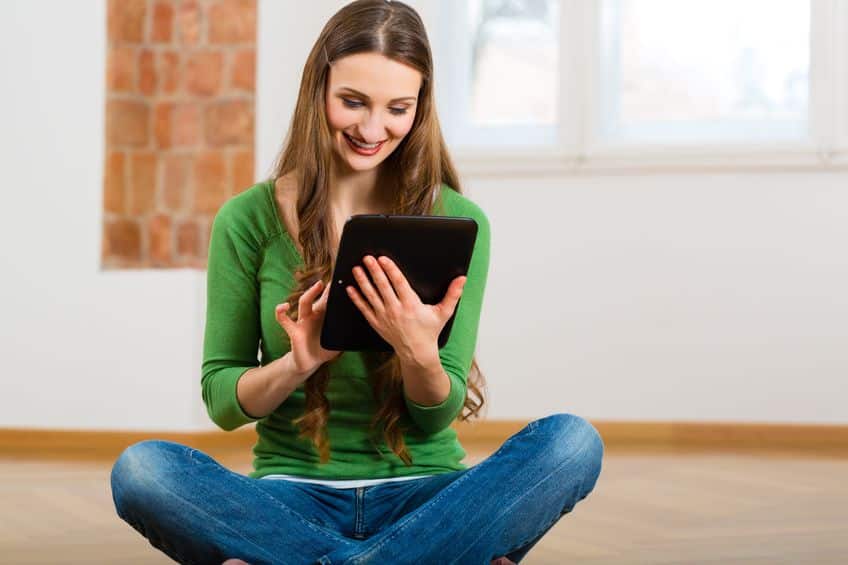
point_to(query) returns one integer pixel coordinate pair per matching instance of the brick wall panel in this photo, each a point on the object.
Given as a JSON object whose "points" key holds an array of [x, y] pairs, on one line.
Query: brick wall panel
{"points": [[180, 79]]}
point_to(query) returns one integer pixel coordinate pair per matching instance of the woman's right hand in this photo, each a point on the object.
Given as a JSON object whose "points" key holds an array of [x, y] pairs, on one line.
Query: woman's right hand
{"points": [[305, 333]]}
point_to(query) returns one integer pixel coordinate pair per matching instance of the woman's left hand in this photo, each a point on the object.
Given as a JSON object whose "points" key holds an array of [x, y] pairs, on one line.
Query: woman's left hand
{"points": [[396, 312]]}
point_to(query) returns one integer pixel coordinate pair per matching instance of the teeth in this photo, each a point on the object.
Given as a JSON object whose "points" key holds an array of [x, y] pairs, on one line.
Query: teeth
{"points": [[363, 145]]}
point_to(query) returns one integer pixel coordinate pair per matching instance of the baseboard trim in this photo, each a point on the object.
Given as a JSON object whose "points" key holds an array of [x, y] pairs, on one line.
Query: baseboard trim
{"points": [[806, 439]]}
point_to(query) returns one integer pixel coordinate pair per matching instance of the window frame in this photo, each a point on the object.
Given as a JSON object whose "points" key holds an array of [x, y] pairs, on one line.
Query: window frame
{"points": [[578, 147], [455, 87]]}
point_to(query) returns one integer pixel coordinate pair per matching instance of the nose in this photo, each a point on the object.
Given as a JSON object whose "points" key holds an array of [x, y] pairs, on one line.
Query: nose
{"points": [[371, 128]]}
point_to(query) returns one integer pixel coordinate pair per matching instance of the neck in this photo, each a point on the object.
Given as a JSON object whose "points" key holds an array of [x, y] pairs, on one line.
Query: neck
{"points": [[357, 192]]}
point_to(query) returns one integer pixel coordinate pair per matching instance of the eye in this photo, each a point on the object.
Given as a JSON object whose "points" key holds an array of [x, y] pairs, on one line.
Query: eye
{"points": [[351, 103], [355, 104]]}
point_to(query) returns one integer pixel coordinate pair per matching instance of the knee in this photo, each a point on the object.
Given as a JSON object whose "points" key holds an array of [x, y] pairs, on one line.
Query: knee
{"points": [[573, 442], [140, 474]]}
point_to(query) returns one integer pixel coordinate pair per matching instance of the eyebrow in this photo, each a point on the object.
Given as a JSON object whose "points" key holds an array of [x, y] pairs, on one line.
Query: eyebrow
{"points": [[363, 95]]}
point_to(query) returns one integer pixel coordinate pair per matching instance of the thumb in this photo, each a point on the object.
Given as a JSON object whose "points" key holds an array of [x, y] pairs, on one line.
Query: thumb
{"points": [[448, 303]]}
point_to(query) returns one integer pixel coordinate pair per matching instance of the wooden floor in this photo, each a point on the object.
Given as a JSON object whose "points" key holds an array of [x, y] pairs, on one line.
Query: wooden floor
{"points": [[647, 508]]}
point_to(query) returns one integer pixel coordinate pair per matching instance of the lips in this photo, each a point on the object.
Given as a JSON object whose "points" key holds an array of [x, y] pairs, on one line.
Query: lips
{"points": [[360, 150], [360, 140]]}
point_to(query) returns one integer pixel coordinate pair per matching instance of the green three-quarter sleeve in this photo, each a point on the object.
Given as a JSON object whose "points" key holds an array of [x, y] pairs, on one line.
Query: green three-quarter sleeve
{"points": [[457, 353], [232, 333]]}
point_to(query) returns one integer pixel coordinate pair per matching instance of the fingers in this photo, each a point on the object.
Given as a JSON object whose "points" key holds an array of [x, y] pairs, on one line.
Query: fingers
{"points": [[365, 286], [304, 307], [282, 318], [387, 292], [404, 291], [363, 306], [321, 304]]}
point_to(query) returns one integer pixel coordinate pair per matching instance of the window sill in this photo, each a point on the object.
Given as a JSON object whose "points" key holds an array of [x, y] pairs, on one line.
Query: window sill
{"points": [[546, 162]]}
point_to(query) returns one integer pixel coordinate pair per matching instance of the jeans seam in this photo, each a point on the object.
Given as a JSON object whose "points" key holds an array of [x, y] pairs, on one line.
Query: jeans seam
{"points": [[168, 550], [223, 524], [412, 519], [256, 489], [547, 526], [359, 511], [308, 523], [380, 544], [556, 470]]}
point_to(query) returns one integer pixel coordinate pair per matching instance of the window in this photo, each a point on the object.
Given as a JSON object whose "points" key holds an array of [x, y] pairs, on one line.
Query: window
{"points": [[508, 69], [696, 71], [560, 85]]}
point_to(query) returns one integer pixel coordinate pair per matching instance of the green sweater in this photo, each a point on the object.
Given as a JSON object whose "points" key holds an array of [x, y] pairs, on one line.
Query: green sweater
{"points": [[251, 265]]}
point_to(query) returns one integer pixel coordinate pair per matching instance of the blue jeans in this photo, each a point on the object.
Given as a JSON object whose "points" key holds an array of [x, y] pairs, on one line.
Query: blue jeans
{"points": [[196, 511]]}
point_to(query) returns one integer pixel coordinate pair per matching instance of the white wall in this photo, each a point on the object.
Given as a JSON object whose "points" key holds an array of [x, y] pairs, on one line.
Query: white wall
{"points": [[81, 348], [646, 297], [686, 297]]}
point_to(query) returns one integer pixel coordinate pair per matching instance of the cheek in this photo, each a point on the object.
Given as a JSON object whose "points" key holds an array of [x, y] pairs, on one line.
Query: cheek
{"points": [[338, 117], [402, 126]]}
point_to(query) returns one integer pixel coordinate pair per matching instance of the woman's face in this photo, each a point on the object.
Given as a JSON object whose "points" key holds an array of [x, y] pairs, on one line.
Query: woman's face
{"points": [[370, 99]]}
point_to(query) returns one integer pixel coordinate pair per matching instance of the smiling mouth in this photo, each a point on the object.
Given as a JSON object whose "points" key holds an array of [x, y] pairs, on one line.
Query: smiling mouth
{"points": [[364, 148], [362, 141]]}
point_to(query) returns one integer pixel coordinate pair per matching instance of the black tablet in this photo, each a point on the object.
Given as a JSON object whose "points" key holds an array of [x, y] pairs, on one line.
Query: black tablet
{"points": [[430, 251]]}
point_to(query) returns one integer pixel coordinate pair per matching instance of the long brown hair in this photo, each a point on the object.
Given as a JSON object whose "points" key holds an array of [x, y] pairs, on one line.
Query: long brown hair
{"points": [[416, 170]]}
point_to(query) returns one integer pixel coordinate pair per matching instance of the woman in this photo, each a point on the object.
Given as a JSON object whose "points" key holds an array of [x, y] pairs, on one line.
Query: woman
{"points": [[355, 461]]}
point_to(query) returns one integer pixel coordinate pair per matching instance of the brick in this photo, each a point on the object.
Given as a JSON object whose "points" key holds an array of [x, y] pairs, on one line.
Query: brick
{"points": [[210, 181], [188, 22], [188, 238], [120, 69], [175, 182], [122, 239], [127, 123], [125, 20], [113, 182], [176, 125], [229, 123], [232, 21], [203, 72], [162, 124], [169, 72], [243, 75], [185, 125], [163, 22], [242, 167], [161, 247], [142, 181], [146, 72]]}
